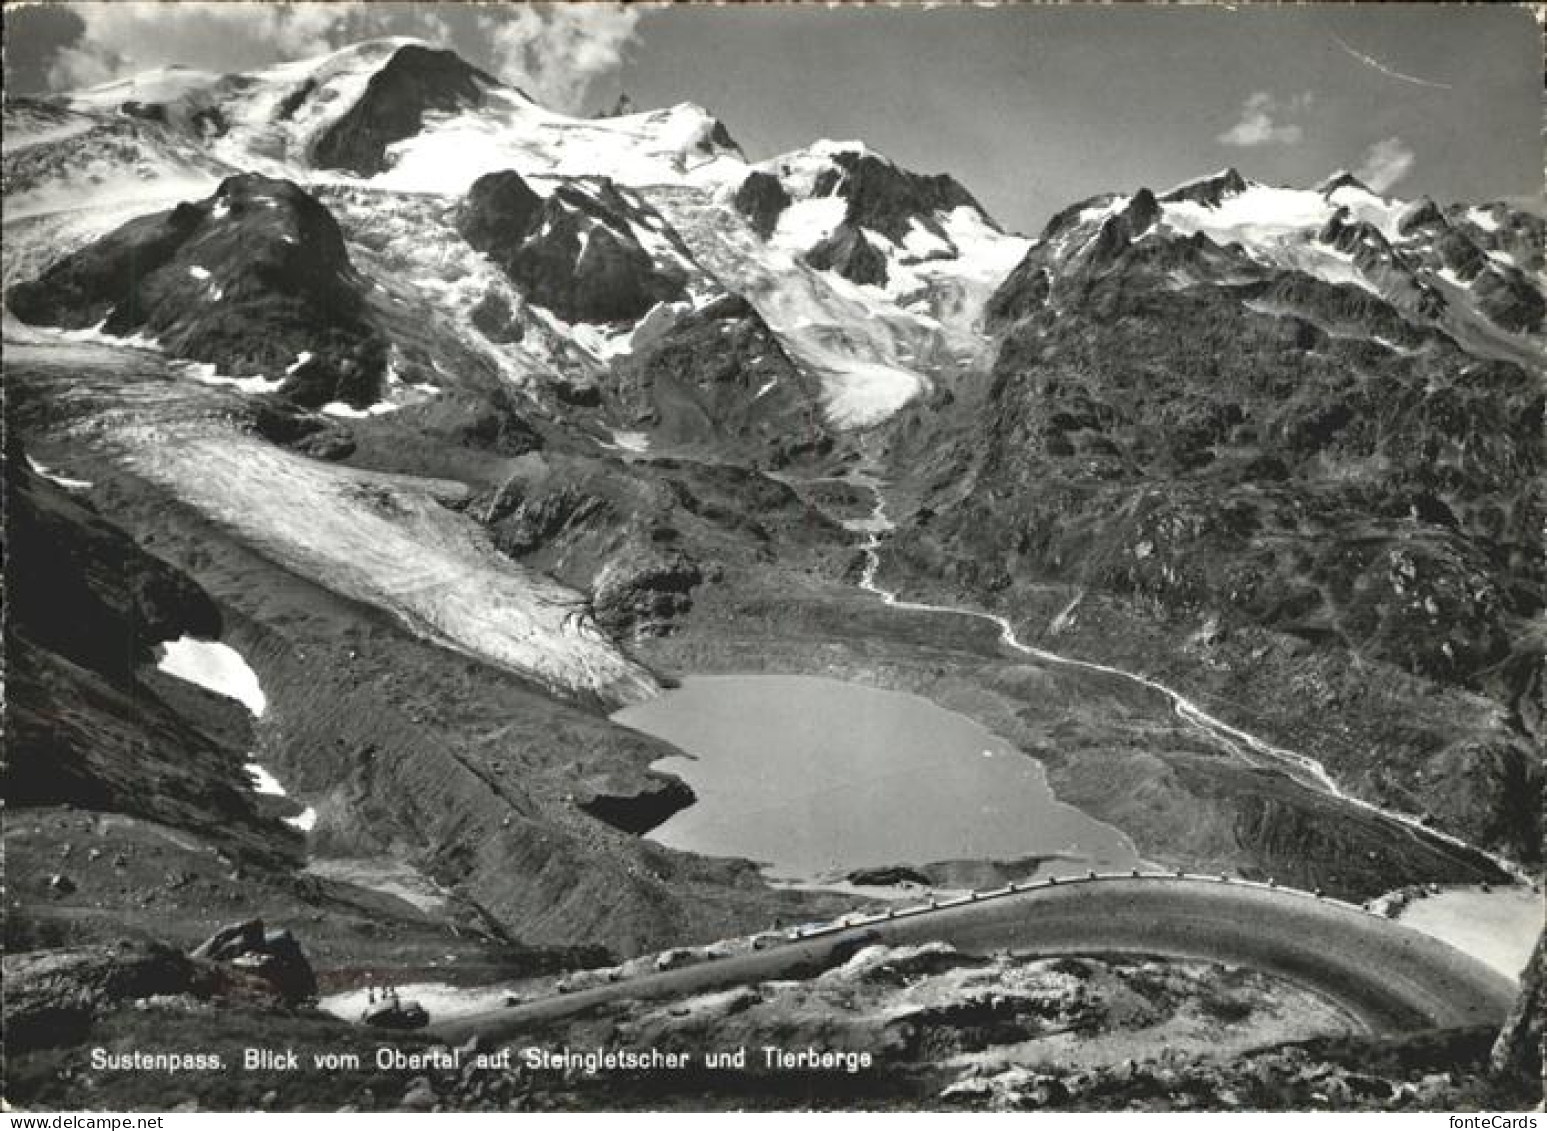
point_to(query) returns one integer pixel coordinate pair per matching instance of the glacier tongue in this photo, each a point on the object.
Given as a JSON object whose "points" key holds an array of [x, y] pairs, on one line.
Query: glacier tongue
{"points": [[384, 540], [855, 342]]}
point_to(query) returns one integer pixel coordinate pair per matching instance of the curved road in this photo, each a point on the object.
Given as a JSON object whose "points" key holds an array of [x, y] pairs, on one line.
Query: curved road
{"points": [[1390, 977]]}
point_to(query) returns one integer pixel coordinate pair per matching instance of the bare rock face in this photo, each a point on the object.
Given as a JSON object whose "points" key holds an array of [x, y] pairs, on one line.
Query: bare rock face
{"points": [[86, 607], [887, 198], [577, 252], [414, 81], [1171, 424], [1519, 1053], [81, 587], [762, 199], [1210, 191], [719, 378], [643, 591], [254, 280], [851, 255]]}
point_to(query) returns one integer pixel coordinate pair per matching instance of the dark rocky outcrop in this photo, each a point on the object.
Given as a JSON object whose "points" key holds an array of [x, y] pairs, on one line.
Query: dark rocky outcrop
{"points": [[86, 607], [851, 255], [280, 422], [1210, 191], [1509, 301], [719, 378], [413, 81], [887, 198], [762, 199], [643, 590], [1421, 215], [488, 421], [643, 808], [80, 587], [249, 280], [494, 319], [390, 1013], [575, 252], [275, 957], [1519, 1053], [1342, 179]]}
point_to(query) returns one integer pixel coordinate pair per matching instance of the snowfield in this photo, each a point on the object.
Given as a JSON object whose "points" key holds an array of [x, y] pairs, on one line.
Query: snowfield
{"points": [[215, 667]]}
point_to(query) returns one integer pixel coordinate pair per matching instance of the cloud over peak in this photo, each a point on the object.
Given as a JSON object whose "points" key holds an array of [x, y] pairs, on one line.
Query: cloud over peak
{"points": [[554, 51], [1385, 163], [557, 54], [1268, 120]]}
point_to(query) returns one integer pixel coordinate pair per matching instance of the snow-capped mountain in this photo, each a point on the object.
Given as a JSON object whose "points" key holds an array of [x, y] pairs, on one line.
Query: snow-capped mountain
{"points": [[462, 423], [1476, 272], [873, 277], [388, 234]]}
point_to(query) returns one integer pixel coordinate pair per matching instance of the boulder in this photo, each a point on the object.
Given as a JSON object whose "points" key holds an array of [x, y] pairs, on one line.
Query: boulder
{"points": [[273, 957]]}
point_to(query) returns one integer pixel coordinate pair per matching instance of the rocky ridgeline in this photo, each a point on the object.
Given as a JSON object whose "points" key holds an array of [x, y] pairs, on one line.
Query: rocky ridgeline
{"points": [[254, 280]]}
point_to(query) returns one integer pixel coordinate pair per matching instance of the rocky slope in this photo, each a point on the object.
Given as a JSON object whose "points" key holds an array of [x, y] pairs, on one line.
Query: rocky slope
{"points": [[254, 280], [1290, 451]]}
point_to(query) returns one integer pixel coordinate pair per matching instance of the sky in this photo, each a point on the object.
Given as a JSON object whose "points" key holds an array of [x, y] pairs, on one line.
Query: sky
{"points": [[1031, 107]]}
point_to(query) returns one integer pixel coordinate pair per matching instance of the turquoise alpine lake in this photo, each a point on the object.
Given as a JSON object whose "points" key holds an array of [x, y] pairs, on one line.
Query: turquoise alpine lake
{"points": [[814, 778]]}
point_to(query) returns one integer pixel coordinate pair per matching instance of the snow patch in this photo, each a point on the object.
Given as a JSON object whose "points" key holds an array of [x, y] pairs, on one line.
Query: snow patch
{"points": [[349, 412], [206, 374], [630, 441], [1483, 219], [215, 667], [263, 781], [806, 223]]}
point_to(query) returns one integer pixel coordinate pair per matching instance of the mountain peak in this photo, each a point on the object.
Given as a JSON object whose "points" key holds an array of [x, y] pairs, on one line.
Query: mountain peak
{"points": [[1209, 190], [415, 79], [1343, 179]]}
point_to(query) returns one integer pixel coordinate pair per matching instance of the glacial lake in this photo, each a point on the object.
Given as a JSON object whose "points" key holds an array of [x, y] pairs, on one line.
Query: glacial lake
{"points": [[813, 778]]}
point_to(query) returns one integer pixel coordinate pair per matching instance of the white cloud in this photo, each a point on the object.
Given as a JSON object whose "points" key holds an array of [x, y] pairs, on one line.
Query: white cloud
{"points": [[555, 54], [559, 50], [1264, 121], [1385, 163], [121, 39]]}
